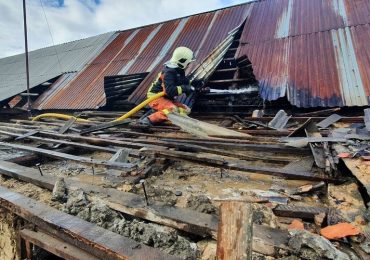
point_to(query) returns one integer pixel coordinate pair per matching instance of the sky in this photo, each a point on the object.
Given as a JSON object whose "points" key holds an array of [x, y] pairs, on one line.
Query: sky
{"points": [[76, 19]]}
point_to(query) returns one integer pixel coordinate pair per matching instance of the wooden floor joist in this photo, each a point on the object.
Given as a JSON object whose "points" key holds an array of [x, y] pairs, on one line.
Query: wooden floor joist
{"points": [[187, 147], [238, 165], [179, 218], [154, 144], [65, 156], [55, 246], [96, 240]]}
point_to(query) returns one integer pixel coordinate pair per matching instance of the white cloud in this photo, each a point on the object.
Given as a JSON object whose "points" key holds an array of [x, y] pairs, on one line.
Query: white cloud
{"points": [[83, 18]]}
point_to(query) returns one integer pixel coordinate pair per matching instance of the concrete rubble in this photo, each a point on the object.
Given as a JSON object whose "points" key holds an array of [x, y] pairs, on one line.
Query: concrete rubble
{"points": [[309, 246], [165, 238]]}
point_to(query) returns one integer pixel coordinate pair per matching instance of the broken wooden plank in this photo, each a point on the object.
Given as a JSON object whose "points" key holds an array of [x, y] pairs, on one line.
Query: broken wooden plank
{"points": [[55, 246], [30, 133], [59, 141], [235, 231], [329, 121], [105, 126], [236, 165], [98, 241], [303, 212], [67, 125], [65, 156], [246, 146], [306, 188], [179, 218]]}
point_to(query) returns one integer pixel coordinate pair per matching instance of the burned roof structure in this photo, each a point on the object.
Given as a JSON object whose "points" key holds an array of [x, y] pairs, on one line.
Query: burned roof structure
{"points": [[314, 53]]}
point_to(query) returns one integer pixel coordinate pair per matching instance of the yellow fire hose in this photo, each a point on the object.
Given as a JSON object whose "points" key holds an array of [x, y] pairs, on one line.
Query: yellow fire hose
{"points": [[125, 116], [59, 116]]}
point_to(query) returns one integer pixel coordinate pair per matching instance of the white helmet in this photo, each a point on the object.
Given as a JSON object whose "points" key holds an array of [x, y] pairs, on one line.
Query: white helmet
{"points": [[182, 56]]}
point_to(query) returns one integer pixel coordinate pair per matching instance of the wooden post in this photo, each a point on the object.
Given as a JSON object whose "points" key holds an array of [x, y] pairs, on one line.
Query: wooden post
{"points": [[235, 231]]}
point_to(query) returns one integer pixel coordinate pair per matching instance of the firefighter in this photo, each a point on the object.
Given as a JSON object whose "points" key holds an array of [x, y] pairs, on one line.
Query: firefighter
{"points": [[173, 82]]}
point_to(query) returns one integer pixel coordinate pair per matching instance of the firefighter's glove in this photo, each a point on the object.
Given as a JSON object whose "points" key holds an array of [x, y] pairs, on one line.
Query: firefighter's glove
{"points": [[188, 89]]}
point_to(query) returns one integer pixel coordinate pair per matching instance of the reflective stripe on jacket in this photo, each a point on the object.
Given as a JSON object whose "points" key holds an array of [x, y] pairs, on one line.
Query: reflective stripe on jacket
{"points": [[171, 81]]}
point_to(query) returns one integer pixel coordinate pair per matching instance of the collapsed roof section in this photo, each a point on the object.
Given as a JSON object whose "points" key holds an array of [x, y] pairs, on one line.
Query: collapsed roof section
{"points": [[48, 63], [313, 52]]}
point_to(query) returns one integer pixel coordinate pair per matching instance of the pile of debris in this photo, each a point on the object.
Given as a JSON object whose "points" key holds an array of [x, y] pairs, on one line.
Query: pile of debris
{"points": [[301, 180]]}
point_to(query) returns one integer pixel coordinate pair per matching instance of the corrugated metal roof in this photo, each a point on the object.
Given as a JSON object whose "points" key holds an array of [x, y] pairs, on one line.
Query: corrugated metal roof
{"points": [[202, 34], [314, 52], [145, 49], [44, 64], [272, 19]]}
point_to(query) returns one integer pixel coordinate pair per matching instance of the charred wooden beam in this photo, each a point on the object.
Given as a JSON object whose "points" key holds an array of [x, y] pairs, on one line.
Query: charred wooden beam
{"points": [[292, 211], [246, 146], [55, 246], [67, 125], [98, 241], [105, 126], [65, 156], [238, 165], [74, 144]]}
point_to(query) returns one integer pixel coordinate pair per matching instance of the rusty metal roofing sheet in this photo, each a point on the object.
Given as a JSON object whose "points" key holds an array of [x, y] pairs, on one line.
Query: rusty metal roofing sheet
{"points": [[44, 64], [326, 69], [201, 33], [313, 52], [145, 49], [272, 19]]}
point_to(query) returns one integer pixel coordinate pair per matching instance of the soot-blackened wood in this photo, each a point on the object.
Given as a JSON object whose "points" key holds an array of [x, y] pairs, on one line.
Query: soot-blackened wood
{"points": [[235, 231], [237, 165], [55, 246], [59, 141], [246, 146], [105, 126], [59, 155], [98, 241], [298, 211], [67, 125]]}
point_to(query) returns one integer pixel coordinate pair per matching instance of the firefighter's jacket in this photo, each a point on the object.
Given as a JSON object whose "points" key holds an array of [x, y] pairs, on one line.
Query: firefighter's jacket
{"points": [[171, 80]]}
